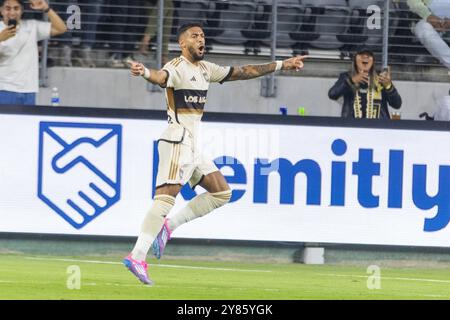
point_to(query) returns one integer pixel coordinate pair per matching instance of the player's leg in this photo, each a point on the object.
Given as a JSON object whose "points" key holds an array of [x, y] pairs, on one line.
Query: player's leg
{"points": [[169, 184], [218, 194], [154, 219], [163, 202]]}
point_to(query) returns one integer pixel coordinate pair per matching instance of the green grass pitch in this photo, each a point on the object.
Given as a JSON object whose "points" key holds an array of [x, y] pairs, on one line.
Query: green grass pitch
{"points": [[104, 277]]}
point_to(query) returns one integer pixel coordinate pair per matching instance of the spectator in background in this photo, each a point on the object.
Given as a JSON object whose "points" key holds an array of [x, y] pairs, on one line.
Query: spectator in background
{"points": [[434, 26], [152, 28], [366, 94], [125, 30], [90, 14], [19, 57], [443, 108]]}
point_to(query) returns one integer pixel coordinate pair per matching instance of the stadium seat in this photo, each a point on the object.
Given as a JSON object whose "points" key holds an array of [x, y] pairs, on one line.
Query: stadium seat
{"points": [[289, 17], [188, 11], [214, 17], [307, 31], [331, 18], [358, 32], [404, 47], [235, 17], [260, 29], [354, 33]]}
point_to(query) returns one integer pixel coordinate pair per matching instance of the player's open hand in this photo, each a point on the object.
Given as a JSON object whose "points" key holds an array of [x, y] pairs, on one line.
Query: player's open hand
{"points": [[7, 33], [137, 69], [39, 5], [294, 63]]}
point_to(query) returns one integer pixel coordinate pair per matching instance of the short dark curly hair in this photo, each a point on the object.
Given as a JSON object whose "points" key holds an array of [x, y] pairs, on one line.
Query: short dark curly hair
{"points": [[182, 29]]}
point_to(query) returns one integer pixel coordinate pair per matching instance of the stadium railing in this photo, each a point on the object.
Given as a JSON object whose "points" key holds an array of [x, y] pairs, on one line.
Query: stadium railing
{"points": [[324, 29]]}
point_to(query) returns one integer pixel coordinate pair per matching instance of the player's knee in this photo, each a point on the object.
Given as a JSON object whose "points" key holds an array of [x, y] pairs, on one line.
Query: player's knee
{"points": [[221, 198], [168, 189], [162, 205]]}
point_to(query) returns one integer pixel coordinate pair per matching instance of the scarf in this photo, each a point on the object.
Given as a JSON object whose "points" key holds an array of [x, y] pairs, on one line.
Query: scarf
{"points": [[373, 102]]}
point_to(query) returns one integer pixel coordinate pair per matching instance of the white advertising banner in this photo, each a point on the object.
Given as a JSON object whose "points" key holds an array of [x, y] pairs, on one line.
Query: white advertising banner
{"points": [[95, 176]]}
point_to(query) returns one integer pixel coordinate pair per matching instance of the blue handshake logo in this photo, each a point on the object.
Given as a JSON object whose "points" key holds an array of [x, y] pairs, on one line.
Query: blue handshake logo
{"points": [[79, 169]]}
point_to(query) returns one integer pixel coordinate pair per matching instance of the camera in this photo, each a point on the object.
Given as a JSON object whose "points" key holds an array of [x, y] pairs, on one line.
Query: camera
{"points": [[383, 71], [12, 22]]}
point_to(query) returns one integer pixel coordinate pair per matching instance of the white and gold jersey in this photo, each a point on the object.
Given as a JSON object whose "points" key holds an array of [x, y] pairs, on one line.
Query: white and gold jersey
{"points": [[187, 87]]}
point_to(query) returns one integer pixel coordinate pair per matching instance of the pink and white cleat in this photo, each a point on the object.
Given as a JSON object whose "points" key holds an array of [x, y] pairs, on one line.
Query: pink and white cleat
{"points": [[159, 244], [138, 268]]}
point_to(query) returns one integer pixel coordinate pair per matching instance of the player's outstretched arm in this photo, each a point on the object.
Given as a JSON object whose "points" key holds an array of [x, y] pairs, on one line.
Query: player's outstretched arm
{"points": [[258, 70], [158, 77]]}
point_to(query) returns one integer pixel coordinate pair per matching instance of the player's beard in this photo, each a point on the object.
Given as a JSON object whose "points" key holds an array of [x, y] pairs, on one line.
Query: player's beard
{"points": [[195, 55]]}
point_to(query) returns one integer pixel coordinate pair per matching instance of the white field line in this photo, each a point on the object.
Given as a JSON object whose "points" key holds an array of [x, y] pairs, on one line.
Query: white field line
{"points": [[139, 285], [93, 284], [383, 277], [153, 265]]}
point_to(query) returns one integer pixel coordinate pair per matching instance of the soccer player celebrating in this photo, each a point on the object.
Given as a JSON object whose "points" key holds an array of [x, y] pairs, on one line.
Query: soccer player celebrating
{"points": [[186, 80]]}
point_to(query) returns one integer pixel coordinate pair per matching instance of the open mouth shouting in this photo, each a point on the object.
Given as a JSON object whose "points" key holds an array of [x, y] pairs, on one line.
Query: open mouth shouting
{"points": [[201, 50]]}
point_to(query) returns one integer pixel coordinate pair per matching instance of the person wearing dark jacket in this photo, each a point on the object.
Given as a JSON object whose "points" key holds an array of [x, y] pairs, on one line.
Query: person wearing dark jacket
{"points": [[366, 94]]}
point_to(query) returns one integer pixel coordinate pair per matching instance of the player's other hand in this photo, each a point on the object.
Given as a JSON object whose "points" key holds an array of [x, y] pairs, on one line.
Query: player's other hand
{"points": [[294, 63], [137, 69]]}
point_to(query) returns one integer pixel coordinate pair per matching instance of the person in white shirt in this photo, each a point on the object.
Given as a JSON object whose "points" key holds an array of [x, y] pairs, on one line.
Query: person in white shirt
{"points": [[434, 27], [443, 108], [186, 79], [19, 56]]}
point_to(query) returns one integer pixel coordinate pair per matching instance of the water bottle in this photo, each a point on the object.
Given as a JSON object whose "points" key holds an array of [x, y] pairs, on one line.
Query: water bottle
{"points": [[55, 97]]}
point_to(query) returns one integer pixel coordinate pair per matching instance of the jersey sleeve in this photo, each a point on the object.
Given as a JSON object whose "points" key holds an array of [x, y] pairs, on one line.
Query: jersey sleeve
{"points": [[173, 79], [217, 73]]}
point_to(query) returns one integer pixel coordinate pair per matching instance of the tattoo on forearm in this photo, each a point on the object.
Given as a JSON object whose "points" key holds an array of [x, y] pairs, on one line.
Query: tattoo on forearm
{"points": [[252, 71]]}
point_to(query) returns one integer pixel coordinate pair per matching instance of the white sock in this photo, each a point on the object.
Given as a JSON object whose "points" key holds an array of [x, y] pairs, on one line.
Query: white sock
{"points": [[198, 207], [151, 225]]}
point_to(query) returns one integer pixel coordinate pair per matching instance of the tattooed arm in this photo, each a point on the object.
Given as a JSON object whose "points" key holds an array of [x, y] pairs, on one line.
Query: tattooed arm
{"points": [[254, 71]]}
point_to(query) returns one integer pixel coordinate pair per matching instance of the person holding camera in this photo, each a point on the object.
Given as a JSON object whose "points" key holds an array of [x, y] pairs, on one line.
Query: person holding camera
{"points": [[366, 93], [19, 56]]}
